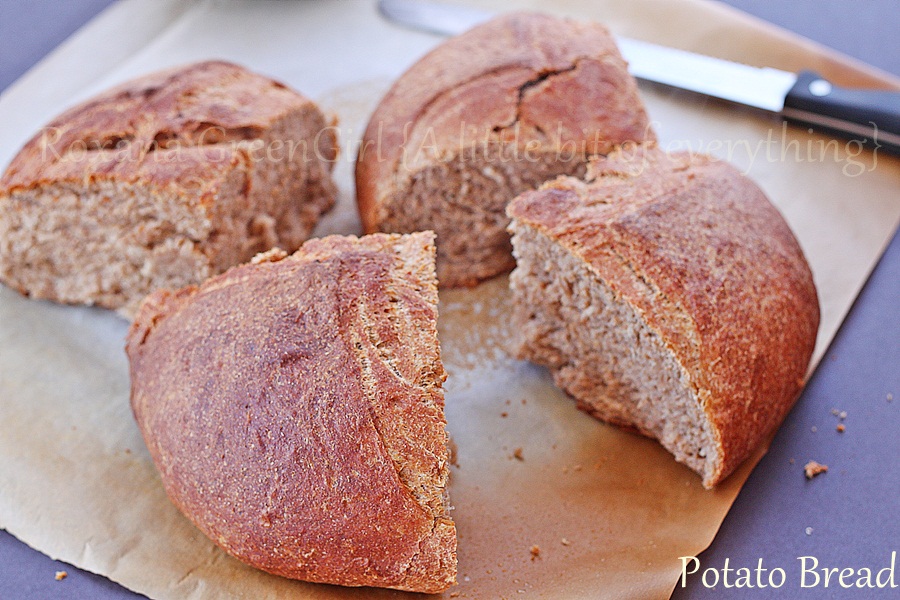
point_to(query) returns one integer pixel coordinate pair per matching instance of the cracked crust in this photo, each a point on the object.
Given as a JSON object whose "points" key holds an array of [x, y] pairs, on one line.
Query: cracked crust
{"points": [[485, 116], [164, 180], [687, 259], [294, 410]]}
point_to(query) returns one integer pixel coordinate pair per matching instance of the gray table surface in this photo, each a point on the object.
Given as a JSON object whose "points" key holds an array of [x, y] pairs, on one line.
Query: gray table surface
{"points": [[849, 517]]}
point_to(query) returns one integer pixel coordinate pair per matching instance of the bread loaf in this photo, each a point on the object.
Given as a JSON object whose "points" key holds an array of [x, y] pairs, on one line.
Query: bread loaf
{"points": [[666, 294], [483, 117], [162, 182], [294, 410]]}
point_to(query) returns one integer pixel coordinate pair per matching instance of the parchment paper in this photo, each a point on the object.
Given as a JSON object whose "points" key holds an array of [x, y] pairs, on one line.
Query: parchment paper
{"points": [[610, 512]]}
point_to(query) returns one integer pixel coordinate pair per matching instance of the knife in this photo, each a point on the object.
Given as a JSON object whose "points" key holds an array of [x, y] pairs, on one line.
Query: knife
{"points": [[871, 117]]}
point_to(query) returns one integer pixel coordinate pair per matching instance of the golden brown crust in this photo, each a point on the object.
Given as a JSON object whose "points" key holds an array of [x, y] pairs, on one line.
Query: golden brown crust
{"points": [[295, 412], [710, 264], [522, 78], [167, 127]]}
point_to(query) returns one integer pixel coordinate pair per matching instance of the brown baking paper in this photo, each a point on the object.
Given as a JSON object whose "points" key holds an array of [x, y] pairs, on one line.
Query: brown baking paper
{"points": [[608, 512]]}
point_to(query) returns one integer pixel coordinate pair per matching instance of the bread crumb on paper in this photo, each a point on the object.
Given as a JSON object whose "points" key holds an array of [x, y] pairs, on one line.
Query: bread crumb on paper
{"points": [[841, 428], [535, 552], [60, 575], [565, 542], [453, 451], [517, 454], [813, 469]]}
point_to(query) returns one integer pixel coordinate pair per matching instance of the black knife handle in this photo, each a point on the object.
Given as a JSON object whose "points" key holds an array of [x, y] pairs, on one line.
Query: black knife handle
{"points": [[870, 116]]}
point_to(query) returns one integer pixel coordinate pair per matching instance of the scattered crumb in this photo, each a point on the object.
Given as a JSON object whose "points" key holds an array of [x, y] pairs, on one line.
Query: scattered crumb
{"points": [[791, 461], [809, 530], [454, 452], [454, 594], [524, 401], [466, 578], [517, 454], [504, 414], [535, 552], [565, 542], [835, 412], [813, 468], [60, 575], [576, 468], [890, 397], [127, 450], [843, 415], [814, 429], [841, 428]]}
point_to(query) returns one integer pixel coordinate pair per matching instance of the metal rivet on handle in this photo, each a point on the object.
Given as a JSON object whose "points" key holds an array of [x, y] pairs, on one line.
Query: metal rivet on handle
{"points": [[820, 87]]}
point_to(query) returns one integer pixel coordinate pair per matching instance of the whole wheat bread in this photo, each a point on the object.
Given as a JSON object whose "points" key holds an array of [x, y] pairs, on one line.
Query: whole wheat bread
{"points": [[162, 182], [666, 294], [483, 117], [294, 410]]}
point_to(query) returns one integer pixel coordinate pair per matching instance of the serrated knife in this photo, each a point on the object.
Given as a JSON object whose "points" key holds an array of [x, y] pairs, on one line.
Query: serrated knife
{"points": [[870, 116]]}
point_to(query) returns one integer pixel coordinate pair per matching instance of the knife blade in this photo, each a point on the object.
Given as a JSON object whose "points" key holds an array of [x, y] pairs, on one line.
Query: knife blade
{"points": [[871, 117]]}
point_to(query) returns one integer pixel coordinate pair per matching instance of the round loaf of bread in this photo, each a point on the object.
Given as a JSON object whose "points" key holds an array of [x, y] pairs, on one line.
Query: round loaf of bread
{"points": [[483, 117], [666, 294], [294, 410], [162, 182]]}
